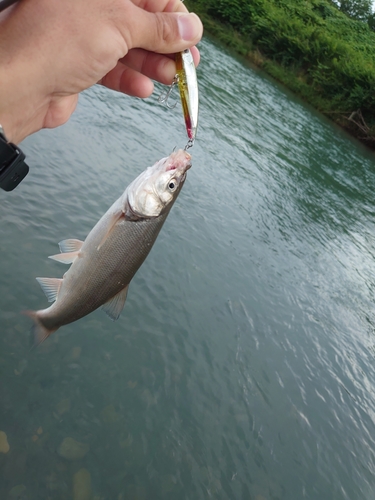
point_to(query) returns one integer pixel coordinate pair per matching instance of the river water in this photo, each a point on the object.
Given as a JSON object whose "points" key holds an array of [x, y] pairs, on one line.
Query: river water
{"points": [[242, 366]]}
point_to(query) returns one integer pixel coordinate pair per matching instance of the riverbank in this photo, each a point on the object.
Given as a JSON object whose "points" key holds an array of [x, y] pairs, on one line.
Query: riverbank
{"points": [[332, 72]]}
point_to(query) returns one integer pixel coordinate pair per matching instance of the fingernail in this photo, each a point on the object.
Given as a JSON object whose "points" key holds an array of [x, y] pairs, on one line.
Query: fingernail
{"points": [[190, 26]]}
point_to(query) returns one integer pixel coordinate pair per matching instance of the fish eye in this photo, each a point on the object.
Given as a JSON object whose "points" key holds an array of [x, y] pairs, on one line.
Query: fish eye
{"points": [[172, 185]]}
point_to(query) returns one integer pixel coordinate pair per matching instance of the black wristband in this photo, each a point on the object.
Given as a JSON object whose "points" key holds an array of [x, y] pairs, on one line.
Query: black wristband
{"points": [[12, 164]]}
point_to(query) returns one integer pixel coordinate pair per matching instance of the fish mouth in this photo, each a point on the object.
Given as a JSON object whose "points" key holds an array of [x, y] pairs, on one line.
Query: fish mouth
{"points": [[180, 160]]}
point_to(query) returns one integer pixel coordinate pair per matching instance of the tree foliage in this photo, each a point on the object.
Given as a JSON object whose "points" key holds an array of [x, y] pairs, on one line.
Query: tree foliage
{"points": [[329, 53], [356, 9]]}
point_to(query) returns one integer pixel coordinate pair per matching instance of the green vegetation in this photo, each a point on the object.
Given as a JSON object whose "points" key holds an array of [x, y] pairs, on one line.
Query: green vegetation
{"points": [[311, 46]]}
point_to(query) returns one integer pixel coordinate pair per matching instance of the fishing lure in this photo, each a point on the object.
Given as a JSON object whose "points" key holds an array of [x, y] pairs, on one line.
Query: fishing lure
{"points": [[186, 79], [188, 87]]}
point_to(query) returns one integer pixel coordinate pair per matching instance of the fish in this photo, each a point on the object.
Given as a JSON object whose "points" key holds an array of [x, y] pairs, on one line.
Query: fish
{"points": [[186, 77], [103, 265]]}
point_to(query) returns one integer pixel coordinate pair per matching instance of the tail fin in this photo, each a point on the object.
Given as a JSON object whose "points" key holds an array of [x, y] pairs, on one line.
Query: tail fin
{"points": [[39, 331]]}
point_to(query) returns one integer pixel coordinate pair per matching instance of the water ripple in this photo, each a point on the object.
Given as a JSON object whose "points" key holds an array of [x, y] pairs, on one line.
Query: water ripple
{"points": [[243, 363]]}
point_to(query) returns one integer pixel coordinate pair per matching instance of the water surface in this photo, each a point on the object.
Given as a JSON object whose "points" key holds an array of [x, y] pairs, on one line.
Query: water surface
{"points": [[242, 366]]}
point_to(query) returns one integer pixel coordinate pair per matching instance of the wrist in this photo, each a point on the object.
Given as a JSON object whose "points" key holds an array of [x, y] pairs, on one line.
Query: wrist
{"points": [[21, 109], [21, 65], [12, 164]]}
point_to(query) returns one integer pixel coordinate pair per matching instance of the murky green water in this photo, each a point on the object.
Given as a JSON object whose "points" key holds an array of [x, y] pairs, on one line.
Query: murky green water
{"points": [[242, 366]]}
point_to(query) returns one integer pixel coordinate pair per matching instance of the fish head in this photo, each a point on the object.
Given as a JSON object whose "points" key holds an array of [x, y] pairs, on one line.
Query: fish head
{"points": [[155, 190]]}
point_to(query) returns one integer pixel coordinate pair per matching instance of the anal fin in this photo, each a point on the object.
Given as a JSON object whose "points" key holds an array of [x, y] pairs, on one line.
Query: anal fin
{"points": [[116, 304], [50, 287]]}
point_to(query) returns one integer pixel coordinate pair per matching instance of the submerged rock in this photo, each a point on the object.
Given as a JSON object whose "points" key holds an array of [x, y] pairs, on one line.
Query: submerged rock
{"points": [[168, 483], [72, 449], [4, 445], [22, 365], [135, 492], [109, 415], [52, 482], [82, 485], [76, 352], [148, 398], [18, 492], [63, 406], [126, 443]]}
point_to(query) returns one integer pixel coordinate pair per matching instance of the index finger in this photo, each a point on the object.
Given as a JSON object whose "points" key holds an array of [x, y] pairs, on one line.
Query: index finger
{"points": [[161, 5]]}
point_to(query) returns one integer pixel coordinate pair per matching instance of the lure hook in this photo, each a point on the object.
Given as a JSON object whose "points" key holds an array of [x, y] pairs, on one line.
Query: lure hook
{"points": [[189, 144], [164, 96]]}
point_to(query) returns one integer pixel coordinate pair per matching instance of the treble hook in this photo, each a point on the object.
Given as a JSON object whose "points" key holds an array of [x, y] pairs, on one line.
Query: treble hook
{"points": [[190, 144], [164, 96]]}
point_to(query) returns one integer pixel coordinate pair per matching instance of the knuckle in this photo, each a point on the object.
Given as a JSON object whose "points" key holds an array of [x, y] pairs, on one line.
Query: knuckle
{"points": [[166, 29], [176, 6]]}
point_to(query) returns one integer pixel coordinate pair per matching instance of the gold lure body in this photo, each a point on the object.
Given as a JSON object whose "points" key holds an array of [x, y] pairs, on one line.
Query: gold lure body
{"points": [[188, 87]]}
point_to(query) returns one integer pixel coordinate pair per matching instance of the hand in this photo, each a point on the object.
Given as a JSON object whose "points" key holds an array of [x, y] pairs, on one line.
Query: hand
{"points": [[51, 50]]}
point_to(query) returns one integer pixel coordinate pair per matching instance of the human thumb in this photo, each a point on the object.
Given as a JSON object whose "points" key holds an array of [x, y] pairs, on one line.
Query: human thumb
{"points": [[166, 32]]}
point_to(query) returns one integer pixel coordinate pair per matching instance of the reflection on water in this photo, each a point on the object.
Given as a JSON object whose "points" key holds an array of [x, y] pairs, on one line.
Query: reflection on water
{"points": [[243, 363]]}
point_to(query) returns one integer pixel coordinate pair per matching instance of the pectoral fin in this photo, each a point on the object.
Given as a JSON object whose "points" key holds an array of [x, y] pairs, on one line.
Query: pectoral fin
{"points": [[116, 304], [65, 258], [50, 287], [116, 217], [67, 246]]}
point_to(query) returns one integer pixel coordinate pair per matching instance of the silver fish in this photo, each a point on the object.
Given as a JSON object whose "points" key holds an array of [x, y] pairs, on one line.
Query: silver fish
{"points": [[104, 264]]}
